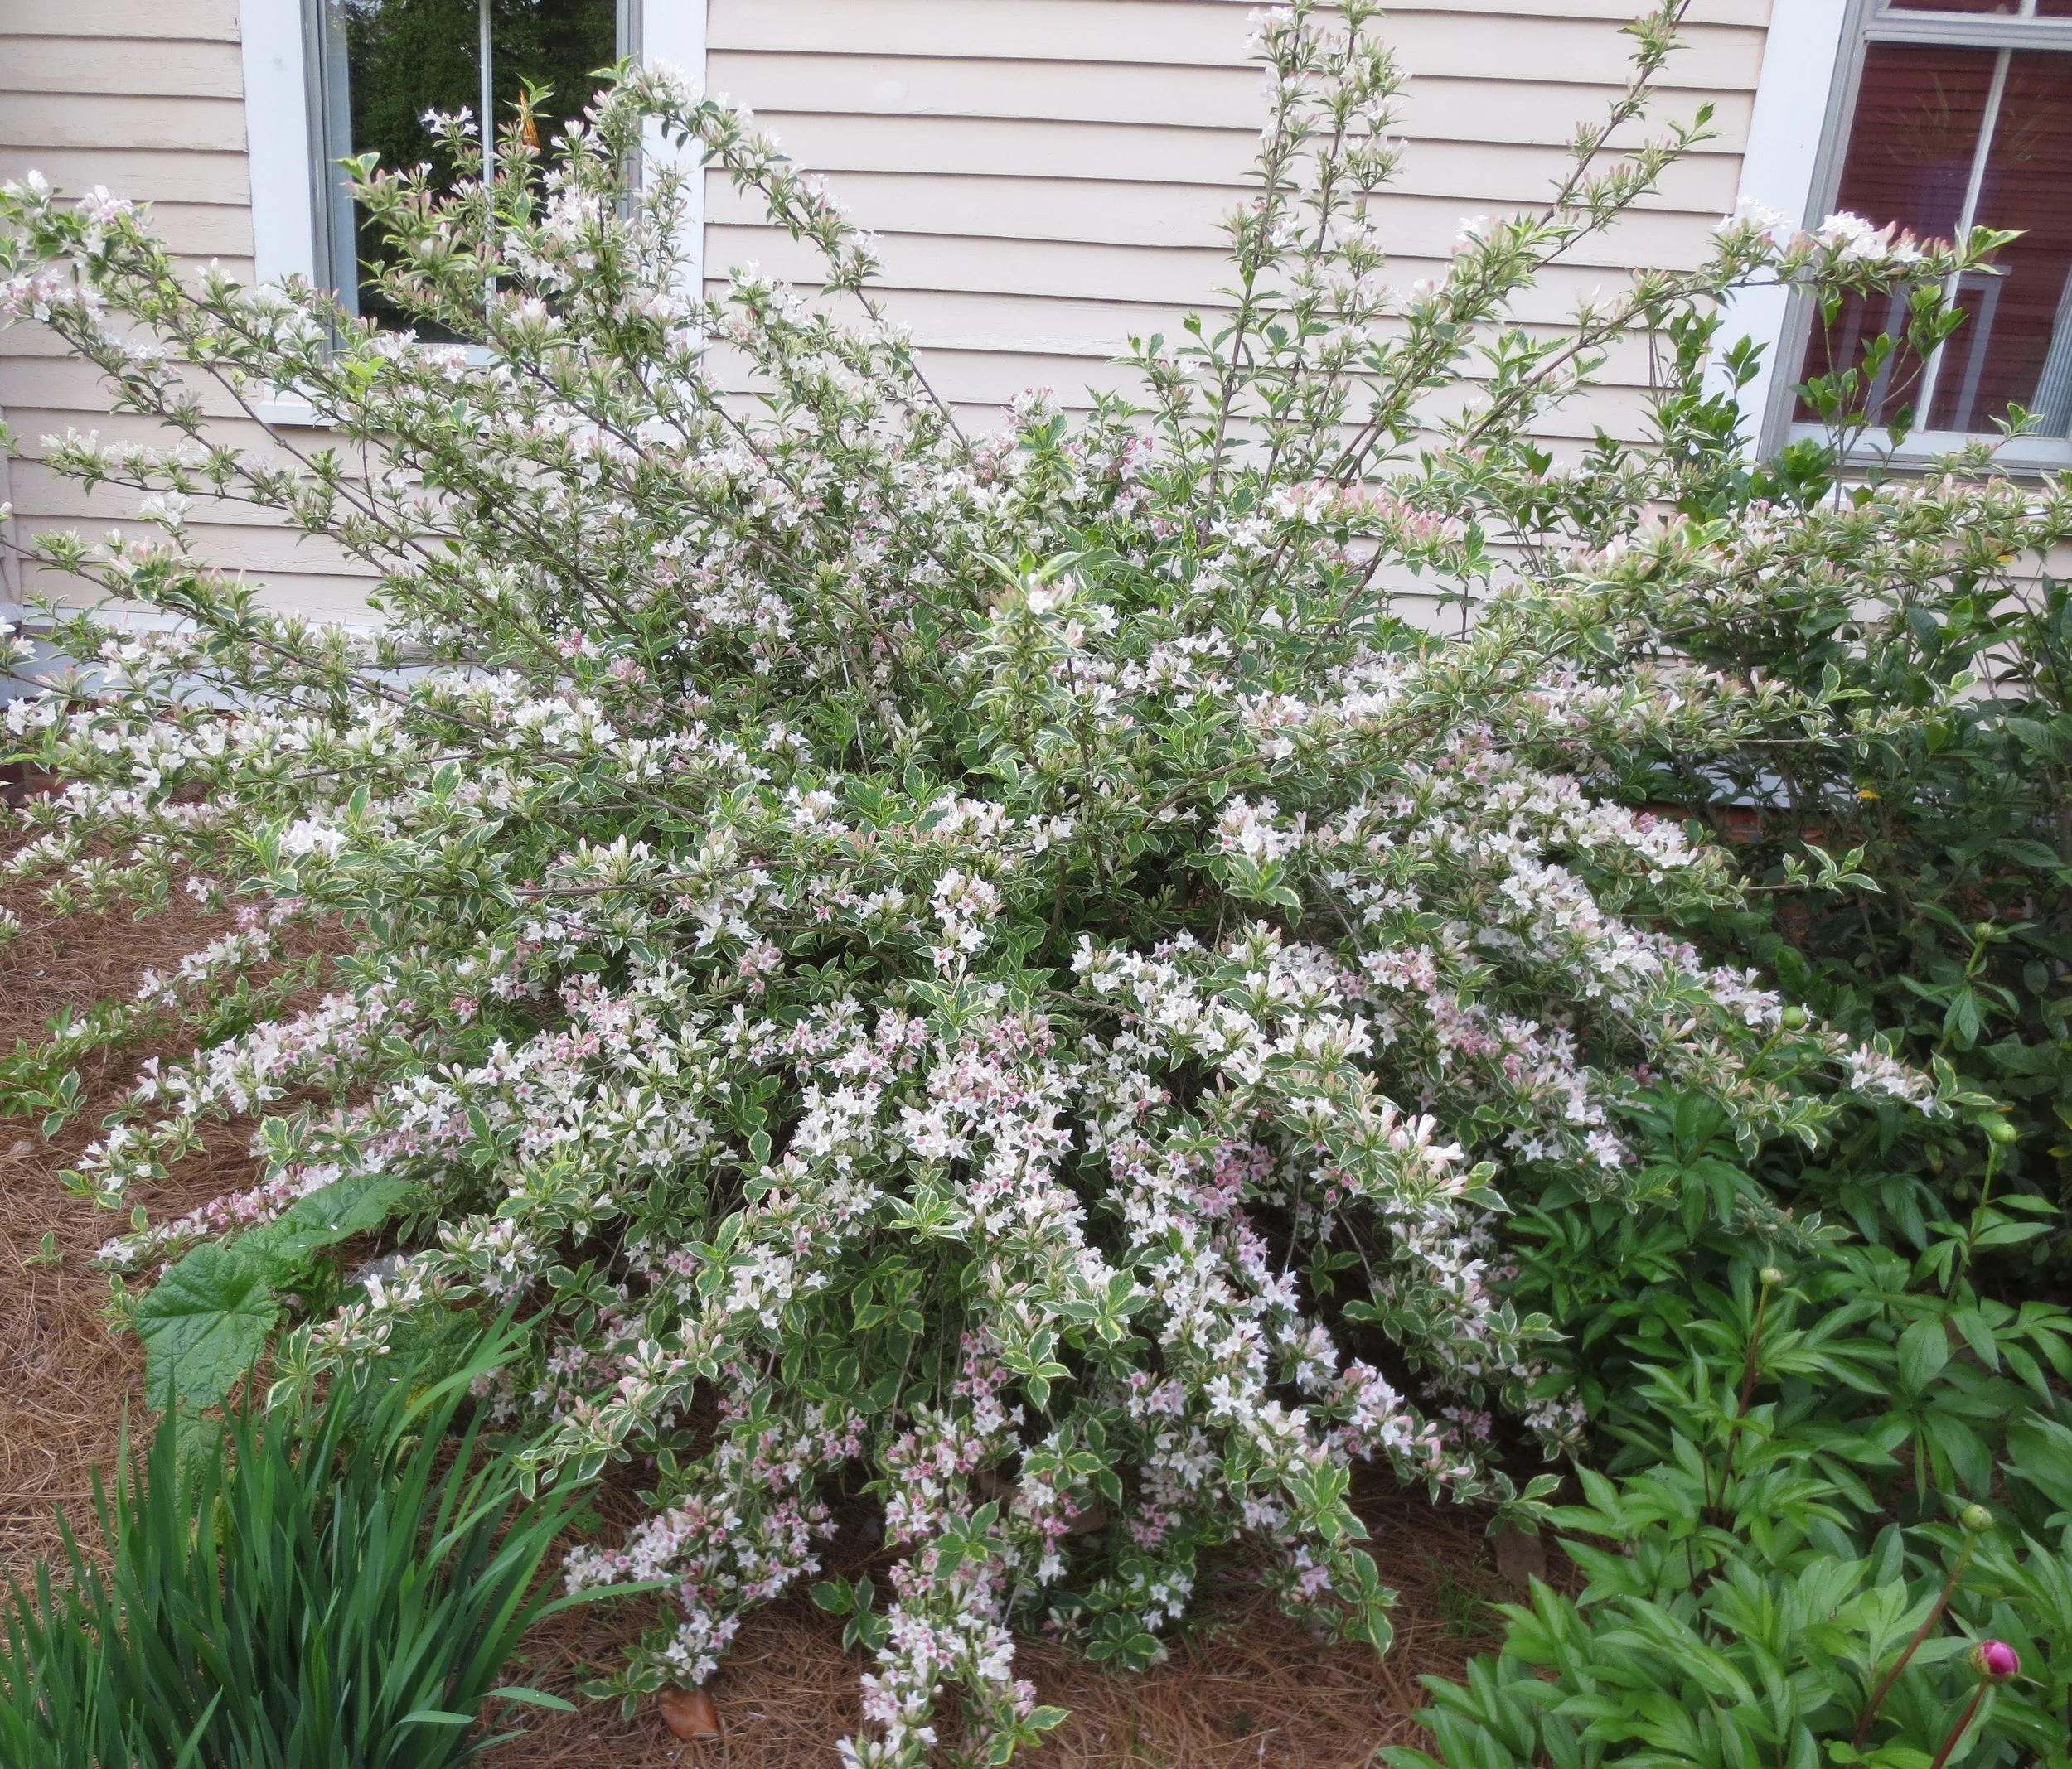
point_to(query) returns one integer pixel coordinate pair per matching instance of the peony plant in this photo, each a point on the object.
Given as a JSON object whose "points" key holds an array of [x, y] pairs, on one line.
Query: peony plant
{"points": [[998, 975]]}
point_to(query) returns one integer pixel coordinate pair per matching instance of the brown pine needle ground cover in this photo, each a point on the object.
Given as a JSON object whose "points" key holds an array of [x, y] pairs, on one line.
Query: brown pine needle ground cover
{"points": [[1244, 1684], [64, 1380]]}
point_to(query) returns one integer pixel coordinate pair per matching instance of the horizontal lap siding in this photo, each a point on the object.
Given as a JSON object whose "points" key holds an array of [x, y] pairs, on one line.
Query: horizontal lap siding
{"points": [[145, 97], [1047, 177]]}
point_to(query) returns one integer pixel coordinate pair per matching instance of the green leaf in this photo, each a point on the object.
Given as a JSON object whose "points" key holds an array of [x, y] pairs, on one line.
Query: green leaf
{"points": [[2028, 854], [2006, 1233], [2041, 1452], [1923, 1350], [189, 1751], [1970, 1460], [531, 1698], [197, 1439], [321, 1219], [204, 1326]]}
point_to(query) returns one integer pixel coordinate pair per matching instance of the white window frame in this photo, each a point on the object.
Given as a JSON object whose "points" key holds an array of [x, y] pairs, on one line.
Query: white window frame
{"points": [[1798, 133], [291, 73]]}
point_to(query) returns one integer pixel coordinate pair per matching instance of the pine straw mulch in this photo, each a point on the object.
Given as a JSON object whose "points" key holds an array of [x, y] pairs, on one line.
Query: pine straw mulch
{"points": [[65, 1382], [1244, 1684]]}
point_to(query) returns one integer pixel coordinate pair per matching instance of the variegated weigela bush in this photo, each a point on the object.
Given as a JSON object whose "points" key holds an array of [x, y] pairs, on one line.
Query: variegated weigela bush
{"points": [[991, 972]]}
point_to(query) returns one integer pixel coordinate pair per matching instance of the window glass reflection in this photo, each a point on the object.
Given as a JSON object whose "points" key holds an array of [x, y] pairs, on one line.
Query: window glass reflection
{"points": [[404, 58], [1944, 138]]}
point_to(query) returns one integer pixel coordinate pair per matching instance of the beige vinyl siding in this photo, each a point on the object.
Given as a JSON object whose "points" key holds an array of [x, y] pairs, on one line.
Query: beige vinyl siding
{"points": [[1048, 176], [145, 97]]}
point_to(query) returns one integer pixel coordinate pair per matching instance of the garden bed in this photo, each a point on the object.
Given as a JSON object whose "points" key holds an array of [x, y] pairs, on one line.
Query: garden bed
{"points": [[1244, 1684], [1000, 976]]}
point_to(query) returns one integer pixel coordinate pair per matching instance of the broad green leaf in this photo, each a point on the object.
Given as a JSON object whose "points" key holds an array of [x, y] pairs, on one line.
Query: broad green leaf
{"points": [[204, 1326], [321, 1219], [2041, 1452], [1923, 1350]]}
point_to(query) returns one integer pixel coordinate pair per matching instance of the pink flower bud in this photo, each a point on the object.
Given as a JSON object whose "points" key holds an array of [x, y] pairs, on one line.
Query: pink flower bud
{"points": [[1995, 1660]]}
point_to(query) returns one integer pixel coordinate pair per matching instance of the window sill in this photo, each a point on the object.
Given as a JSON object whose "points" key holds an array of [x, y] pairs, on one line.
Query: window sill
{"points": [[2027, 454], [290, 413], [286, 411]]}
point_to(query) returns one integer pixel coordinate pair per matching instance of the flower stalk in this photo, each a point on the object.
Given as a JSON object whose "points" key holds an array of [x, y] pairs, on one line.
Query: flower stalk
{"points": [[1768, 1279], [1977, 1519], [1994, 1662]]}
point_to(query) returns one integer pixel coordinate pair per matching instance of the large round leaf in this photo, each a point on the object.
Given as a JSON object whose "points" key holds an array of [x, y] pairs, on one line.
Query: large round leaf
{"points": [[204, 1326]]}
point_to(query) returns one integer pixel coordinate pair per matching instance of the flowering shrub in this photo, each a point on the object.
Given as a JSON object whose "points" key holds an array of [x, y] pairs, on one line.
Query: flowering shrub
{"points": [[1955, 937], [1000, 970]]}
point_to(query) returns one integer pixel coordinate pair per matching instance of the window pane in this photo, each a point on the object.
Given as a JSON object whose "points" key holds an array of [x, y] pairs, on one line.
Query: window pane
{"points": [[1953, 5], [405, 57], [1999, 355], [2054, 8], [1918, 114]]}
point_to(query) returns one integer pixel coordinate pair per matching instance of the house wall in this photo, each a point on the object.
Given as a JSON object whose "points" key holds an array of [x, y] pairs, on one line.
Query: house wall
{"points": [[1046, 176], [147, 98]]}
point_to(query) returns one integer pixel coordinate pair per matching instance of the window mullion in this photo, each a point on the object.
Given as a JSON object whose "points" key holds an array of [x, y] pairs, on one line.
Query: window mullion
{"points": [[488, 120], [1973, 189]]}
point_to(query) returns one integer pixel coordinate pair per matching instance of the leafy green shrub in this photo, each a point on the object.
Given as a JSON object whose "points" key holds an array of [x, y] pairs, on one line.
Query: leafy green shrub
{"points": [[1001, 972], [1791, 1572], [1948, 928], [1773, 1570], [1956, 940], [327, 1583], [1779, 1657]]}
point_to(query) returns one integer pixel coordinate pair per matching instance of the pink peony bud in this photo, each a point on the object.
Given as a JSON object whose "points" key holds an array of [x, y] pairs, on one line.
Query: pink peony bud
{"points": [[1995, 1660]]}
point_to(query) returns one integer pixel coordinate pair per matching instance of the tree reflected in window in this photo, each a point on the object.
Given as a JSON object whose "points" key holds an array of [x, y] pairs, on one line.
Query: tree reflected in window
{"points": [[402, 58]]}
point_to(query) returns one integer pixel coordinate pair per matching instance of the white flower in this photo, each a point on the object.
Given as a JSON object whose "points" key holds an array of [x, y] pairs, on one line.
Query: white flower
{"points": [[309, 836]]}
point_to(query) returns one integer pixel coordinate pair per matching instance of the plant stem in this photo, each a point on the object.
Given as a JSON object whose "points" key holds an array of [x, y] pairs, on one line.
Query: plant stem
{"points": [[1957, 1730], [1913, 1645], [1740, 1410], [1748, 1366], [1961, 1263]]}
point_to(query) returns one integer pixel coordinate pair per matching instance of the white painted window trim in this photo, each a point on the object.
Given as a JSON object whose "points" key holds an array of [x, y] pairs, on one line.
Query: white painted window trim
{"points": [[280, 139], [1798, 132], [671, 35], [285, 134], [1805, 60]]}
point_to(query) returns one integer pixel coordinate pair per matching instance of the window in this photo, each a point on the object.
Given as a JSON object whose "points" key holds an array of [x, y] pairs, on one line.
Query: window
{"points": [[1954, 114], [326, 78], [385, 63]]}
